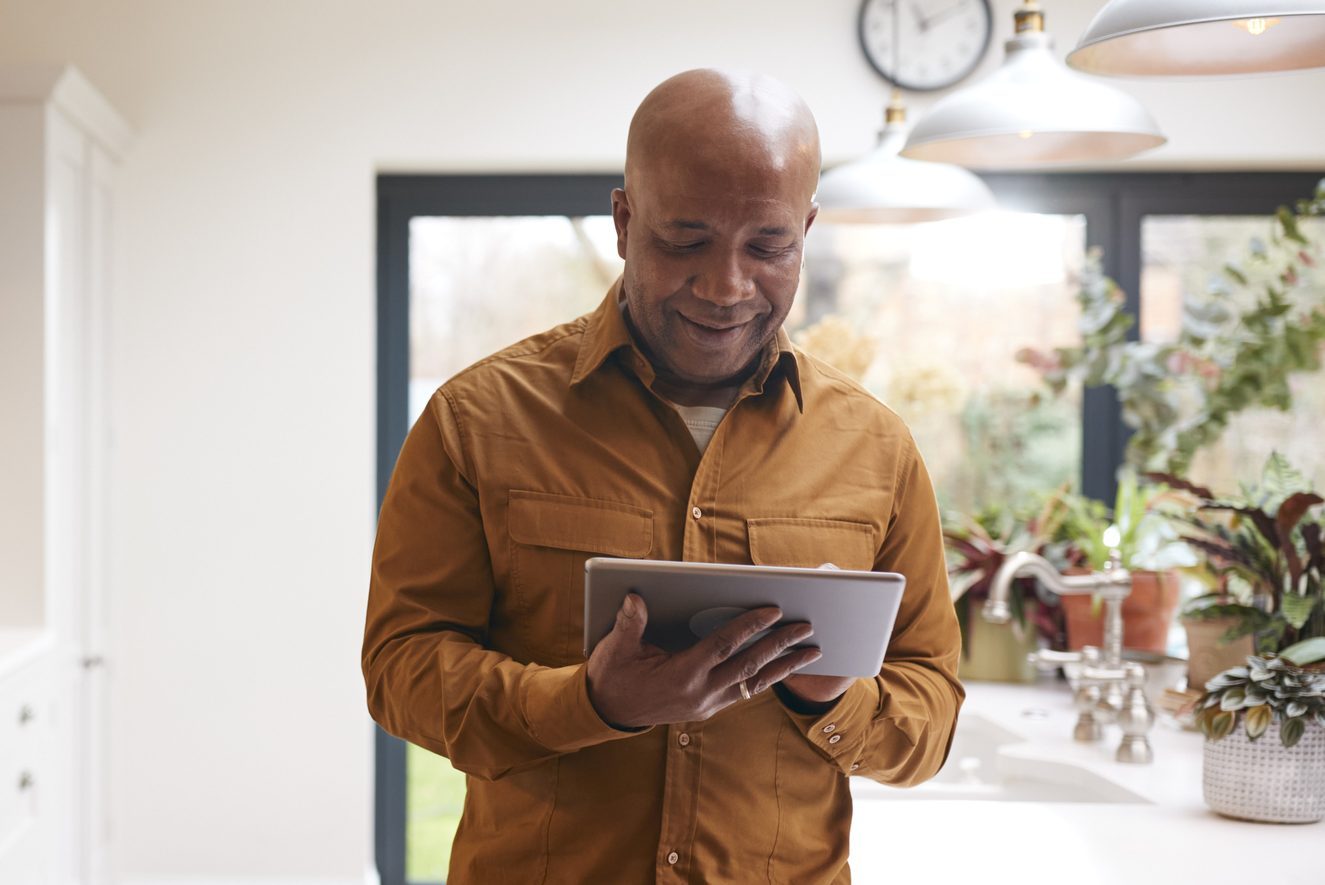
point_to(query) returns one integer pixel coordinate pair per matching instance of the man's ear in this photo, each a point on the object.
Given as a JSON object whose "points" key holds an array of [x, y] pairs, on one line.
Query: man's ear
{"points": [[814, 213], [621, 219]]}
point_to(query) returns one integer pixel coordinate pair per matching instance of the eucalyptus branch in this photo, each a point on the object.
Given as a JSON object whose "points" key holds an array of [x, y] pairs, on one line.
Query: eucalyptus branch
{"points": [[1237, 349]]}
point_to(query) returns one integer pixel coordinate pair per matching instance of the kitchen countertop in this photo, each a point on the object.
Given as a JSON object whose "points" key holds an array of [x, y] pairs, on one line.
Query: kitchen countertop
{"points": [[1166, 836]]}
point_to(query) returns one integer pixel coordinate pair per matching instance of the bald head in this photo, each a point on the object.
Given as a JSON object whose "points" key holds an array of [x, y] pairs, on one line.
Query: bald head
{"points": [[730, 123]]}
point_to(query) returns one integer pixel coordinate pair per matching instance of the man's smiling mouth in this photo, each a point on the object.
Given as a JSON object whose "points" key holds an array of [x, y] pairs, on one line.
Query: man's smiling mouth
{"points": [[714, 335]]}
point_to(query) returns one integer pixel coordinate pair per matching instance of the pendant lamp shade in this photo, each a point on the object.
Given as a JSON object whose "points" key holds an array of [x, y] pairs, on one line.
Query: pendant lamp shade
{"points": [[1158, 38], [1032, 111], [883, 188]]}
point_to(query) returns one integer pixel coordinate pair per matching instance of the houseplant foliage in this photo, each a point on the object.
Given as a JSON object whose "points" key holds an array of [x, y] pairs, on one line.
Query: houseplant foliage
{"points": [[1271, 543], [1237, 348], [1266, 546], [1280, 688], [977, 546], [1150, 548], [1147, 537]]}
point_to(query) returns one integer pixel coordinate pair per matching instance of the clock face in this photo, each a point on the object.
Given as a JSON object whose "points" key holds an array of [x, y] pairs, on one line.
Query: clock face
{"points": [[938, 42]]}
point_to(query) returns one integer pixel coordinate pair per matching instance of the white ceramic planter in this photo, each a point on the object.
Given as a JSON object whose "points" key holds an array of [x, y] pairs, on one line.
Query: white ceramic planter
{"points": [[1264, 780]]}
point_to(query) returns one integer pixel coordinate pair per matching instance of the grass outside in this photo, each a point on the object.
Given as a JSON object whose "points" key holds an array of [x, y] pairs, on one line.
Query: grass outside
{"points": [[435, 794]]}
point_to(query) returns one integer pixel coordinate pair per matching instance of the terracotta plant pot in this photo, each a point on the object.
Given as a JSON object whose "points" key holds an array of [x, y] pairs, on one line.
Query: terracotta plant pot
{"points": [[1147, 614], [1206, 657], [994, 653]]}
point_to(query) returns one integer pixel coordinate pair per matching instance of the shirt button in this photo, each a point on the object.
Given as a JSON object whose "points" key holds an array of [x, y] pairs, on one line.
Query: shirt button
{"points": [[673, 857], [696, 512], [683, 739], [855, 765], [835, 738], [829, 727]]}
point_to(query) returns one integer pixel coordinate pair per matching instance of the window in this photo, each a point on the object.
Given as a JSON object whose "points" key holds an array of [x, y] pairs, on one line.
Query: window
{"points": [[1181, 256]]}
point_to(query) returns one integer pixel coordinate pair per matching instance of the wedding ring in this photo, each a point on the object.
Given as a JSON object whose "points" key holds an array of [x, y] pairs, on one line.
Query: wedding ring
{"points": [[745, 690]]}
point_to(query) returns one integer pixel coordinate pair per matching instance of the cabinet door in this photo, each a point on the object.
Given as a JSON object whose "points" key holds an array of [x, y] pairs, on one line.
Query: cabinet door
{"points": [[21, 858], [93, 748]]}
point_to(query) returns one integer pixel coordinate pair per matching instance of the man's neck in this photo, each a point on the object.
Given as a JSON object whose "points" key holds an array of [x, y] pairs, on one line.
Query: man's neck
{"points": [[683, 394]]}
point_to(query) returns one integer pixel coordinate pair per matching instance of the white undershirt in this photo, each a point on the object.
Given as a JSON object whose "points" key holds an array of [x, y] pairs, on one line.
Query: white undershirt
{"points": [[701, 421]]}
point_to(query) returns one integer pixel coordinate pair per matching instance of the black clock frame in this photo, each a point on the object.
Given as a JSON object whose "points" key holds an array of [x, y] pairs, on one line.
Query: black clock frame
{"points": [[890, 78]]}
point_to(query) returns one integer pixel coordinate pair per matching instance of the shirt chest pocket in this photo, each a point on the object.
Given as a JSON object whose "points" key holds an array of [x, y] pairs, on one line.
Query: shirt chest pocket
{"points": [[551, 536], [809, 543]]}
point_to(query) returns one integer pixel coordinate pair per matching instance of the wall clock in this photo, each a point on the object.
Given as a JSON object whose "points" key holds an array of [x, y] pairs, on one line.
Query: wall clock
{"points": [[939, 42]]}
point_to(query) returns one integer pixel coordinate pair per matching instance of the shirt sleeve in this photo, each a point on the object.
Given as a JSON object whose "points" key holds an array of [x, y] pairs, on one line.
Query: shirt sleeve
{"points": [[897, 727], [430, 680]]}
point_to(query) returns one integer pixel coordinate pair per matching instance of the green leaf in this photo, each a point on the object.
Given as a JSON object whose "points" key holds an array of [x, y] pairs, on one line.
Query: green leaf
{"points": [[1297, 608], [1289, 222], [1232, 699], [1290, 732], [1204, 718], [1257, 720], [1221, 724], [1308, 651]]}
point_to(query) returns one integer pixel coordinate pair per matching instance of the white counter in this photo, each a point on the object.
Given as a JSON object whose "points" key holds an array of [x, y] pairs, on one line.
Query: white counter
{"points": [[1165, 835]]}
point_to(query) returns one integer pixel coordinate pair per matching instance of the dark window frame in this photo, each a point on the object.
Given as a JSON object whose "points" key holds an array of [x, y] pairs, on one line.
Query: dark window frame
{"points": [[1114, 205]]}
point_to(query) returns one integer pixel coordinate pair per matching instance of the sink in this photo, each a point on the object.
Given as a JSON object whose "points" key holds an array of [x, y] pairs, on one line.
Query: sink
{"points": [[979, 769]]}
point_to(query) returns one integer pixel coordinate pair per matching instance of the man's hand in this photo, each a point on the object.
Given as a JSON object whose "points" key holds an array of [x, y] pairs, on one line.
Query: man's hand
{"points": [[815, 693], [818, 692], [633, 683]]}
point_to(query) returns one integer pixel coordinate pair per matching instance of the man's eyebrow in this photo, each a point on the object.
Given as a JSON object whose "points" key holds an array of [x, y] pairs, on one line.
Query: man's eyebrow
{"points": [[686, 224]]}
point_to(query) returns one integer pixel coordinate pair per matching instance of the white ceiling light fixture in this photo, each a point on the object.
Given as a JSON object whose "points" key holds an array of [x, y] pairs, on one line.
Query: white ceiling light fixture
{"points": [[1196, 38], [1032, 111], [884, 188]]}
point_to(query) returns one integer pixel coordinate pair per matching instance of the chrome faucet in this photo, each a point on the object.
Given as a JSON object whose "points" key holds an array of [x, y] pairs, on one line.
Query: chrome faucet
{"points": [[1112, 585], [1107, 690]]}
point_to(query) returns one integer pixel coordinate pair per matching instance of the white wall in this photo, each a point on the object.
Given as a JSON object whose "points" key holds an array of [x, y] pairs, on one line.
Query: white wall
{"points": [[243, 354]]}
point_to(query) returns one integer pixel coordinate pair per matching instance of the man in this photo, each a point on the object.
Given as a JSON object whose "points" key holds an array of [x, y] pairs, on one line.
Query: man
{"points": [[675, 422]]}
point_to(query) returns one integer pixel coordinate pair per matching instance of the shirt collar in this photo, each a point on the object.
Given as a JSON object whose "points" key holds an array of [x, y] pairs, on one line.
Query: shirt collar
{"points": [[607, 333]]}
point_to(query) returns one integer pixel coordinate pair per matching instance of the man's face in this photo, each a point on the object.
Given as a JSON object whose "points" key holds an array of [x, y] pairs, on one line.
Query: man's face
{"points": [[712, 261]]}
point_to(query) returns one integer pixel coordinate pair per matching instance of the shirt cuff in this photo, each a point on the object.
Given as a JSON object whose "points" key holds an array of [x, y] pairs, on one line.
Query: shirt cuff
{"points": [[839, 733], [559, 713]]}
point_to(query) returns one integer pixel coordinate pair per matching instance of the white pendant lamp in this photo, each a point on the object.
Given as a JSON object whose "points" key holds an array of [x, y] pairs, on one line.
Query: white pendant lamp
{"points": [[1032, 111], [883, 188], [1159, 38]]}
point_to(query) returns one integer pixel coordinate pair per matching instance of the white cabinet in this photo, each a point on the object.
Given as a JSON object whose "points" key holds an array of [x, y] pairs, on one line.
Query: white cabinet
{"points": [[60, 143], [29, 777]]}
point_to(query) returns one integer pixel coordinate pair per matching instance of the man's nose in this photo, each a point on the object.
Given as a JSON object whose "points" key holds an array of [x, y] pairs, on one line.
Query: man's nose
{"points": [[724, 279]]}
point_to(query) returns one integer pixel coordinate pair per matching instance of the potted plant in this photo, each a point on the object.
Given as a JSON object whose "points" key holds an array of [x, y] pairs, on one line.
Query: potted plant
{"points": [[1150, 549], [1265, 736], [1264, 546], [976, 548], [1219, 627]]}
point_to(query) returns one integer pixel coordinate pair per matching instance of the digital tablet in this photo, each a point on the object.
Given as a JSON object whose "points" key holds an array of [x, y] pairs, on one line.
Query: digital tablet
{"points": [[852, 612]]}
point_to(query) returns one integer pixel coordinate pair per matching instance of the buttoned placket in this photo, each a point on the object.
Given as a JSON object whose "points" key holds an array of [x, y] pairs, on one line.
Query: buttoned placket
{"points": [[699, 544], [681, 784]]}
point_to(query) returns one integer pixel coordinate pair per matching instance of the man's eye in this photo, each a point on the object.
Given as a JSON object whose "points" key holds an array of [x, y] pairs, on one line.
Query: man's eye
{"points": [[768, 251], [684, 247]]}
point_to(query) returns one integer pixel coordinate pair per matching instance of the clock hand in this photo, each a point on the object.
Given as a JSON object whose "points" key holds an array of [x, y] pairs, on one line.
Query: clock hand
{"points": [[921, 22], [943, 13]]}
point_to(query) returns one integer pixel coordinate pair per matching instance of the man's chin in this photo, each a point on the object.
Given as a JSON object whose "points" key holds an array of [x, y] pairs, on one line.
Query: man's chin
{"points": [[712, 375]]}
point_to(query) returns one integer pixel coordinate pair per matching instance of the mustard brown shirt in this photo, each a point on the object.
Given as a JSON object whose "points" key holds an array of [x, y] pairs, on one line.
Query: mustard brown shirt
{"points": [[556, 449]]}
